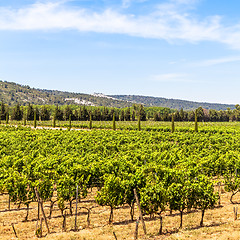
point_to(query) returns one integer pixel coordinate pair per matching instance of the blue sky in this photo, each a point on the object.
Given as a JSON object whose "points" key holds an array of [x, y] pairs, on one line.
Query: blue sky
{"points": [[185, 49]]}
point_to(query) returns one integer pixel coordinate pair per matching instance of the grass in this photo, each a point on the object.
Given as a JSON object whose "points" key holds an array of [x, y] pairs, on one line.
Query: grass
{"points": [[218, 223]]}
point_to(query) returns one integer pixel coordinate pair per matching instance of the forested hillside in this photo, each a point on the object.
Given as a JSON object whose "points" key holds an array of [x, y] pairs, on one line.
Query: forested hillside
{"points": [[13, 93], [171, 103]]}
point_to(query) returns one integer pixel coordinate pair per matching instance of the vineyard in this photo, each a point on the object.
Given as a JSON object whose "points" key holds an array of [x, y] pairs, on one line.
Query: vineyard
{"points": [[56, 181]]}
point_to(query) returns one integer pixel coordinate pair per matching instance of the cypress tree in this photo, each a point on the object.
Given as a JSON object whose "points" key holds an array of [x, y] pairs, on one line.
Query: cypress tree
{"points": [[139, 122], [7, 118], [3, 112], [35, 118], [173, 126], [196, 122], [70, 122], [114, 122], [30, 112], [24, 120], [54, 120], [90, 120]]}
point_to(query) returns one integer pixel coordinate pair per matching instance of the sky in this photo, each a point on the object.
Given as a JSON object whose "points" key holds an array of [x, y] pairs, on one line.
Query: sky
{"points": [[181, 49]]}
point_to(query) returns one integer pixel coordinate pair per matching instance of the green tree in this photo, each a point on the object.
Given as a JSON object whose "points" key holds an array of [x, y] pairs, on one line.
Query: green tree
{"points": [[67, 113], [58, 113], [139, 123], [181, 113], [173, 126], [122, 115], [142, 113], [17, 113], [114, 122], [70, 122], [35, 118], [196, 122], [30, 112], [44, 113], [127, 114], [3, 112], [90, 121]]}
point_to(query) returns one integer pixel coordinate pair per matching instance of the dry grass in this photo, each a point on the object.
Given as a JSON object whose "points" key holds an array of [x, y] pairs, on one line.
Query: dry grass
{"points": [[218, 223]]}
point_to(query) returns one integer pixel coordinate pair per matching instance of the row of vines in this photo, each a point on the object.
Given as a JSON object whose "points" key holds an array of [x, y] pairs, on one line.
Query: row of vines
{"points": [[170, 171]]}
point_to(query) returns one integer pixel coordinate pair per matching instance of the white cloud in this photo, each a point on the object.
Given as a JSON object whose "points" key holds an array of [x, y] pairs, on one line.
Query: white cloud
{"points": [[127, 3], [211, 62], [171, 77], [165, 22]]}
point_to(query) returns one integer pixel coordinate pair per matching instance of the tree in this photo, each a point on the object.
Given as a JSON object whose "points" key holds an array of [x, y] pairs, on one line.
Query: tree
{"points": [[173, 126], [200, 114], [58, 113], [139, 123], [114, 122], [181, 114], [127, 114], [30, 112], [17, 113], [44, 114], [122, 115], [67, 113], [3, 112], [70, 122], [90, 121], [35, 118], [142, 113], [196, 122], [133, 115], [54, 120]]}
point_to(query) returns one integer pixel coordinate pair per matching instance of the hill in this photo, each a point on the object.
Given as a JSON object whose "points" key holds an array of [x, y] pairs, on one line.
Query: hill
{"points": [[12, 93], [171, 103]]}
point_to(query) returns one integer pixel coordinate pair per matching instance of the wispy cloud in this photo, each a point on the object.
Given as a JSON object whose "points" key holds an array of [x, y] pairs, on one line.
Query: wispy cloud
{"points": [[211, 62], [171, 77], [167, 21]]}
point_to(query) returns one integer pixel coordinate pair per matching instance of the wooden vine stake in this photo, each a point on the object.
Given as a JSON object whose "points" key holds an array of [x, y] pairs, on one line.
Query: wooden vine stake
{"points": [[76, 213], [140, 211], [219, 193], [14, 230], [136, 230], [235, 211], [115, 236], [43, 213]]}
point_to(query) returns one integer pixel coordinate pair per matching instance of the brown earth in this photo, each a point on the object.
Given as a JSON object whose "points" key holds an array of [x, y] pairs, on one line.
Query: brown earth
{"points": [[219, 223]]}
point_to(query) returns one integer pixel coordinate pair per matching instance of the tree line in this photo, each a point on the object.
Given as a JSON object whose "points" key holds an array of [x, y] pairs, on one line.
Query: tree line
{"points": [[84, 113]]}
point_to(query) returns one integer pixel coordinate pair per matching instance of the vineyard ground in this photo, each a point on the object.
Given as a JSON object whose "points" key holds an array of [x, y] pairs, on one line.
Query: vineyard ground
{"points": [[218, 223]]}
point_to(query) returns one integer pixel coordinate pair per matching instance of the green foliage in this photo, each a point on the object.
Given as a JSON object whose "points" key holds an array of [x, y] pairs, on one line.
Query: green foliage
{"points": [[70, 122], [232, 183], [17, 113], [111, 194], [35, 118], [90, 121], [173, 127], [139, 123], [153, 197], [196, 121], [114, 122]]}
